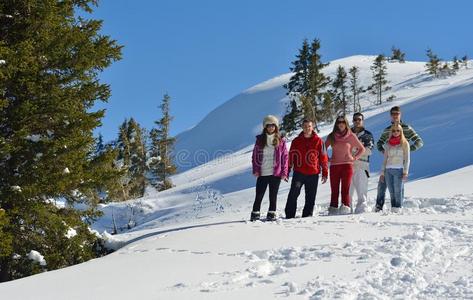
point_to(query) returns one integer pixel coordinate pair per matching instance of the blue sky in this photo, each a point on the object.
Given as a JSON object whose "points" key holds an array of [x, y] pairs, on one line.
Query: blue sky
{"points": [[204, 52]]}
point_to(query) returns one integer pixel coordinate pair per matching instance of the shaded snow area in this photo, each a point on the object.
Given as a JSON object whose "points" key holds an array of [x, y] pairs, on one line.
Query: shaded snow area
{"points": [[194, 241]]}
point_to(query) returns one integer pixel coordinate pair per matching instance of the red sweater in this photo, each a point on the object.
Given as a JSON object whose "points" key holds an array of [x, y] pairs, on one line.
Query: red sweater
{"points": [[308, 155]]}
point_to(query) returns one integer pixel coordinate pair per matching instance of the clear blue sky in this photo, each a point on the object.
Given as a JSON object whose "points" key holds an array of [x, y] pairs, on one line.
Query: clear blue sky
{"points": [[205, 52]]}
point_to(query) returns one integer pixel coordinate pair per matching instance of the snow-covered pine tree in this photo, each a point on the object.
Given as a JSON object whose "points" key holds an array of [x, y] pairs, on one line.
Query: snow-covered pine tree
{"points": [[291, 118], [398, 55], [433, 65], [380, 83], [49, 84], [465, 61], [162, 161], [339, 88], [355, 88], [308, 82], [317, 81], [131, 159]]}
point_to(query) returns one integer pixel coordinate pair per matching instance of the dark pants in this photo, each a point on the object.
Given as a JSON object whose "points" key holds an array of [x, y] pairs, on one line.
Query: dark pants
{"points": [[261, 184], [310, 183]]}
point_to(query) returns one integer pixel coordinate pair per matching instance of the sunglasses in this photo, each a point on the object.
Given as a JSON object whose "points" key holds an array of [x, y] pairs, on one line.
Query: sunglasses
{"points": [[357, 120], [270, 125], [396, 131], [395, 114], [341, 122]]}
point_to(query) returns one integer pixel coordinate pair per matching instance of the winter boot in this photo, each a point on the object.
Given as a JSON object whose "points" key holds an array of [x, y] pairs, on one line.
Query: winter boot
{"points": [[271, 216], [378, 209], [362, 208], [254, 216], [332, 210], [344, 210]]}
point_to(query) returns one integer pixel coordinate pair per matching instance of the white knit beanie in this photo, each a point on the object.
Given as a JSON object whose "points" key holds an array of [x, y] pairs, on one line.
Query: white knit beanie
{"points": [[270, 119]]}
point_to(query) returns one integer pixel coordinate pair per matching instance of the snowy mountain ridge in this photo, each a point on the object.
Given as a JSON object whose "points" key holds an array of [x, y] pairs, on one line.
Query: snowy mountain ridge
{"points": [[194, 240]]}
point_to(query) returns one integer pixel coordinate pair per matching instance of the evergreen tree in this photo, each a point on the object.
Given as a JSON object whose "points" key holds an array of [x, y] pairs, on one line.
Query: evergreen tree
{"points": [[455, 65], [355, 88], [433, 65], [49, 84], [398, 55], [327, 112], [131, 158], [465, 61], [308, 82], [292, 117], [445, 70], [317, 81], [339, 86], [380, 83], [162, 166]]}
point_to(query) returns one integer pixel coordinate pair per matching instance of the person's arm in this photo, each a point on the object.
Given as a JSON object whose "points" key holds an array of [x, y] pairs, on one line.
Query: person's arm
{"points": [[253, 159], [406, 160], [292, 156], [323, 159], [284, 161], [359, 147], [414, 139], [382, 140]]}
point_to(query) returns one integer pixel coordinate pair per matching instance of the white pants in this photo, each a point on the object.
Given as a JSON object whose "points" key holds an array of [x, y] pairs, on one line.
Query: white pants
{"points": [[359, 182]]}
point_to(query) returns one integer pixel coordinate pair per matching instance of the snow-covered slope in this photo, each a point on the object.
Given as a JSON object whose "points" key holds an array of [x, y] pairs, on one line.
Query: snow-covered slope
{"points": [[193, 241], [233, 125]]}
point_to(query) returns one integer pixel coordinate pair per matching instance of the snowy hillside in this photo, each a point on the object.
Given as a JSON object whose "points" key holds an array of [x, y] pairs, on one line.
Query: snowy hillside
{"points": [[193, 241], [240, 117]]}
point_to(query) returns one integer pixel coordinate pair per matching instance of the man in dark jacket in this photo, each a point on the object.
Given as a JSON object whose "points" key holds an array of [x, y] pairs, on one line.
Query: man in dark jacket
{"points": [[308, 158], [412, 137]]}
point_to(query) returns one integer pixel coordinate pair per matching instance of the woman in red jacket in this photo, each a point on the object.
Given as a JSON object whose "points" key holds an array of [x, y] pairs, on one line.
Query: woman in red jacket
{"points": [[346, 148]]}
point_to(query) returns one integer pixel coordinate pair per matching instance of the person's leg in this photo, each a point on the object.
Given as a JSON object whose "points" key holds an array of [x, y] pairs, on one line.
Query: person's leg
{"points": [[291, 204], [334, 185], [389, 178], [310, 186], [261, 185], [274, 182], [354, 187], [346, 175], [397, 187], [381, 193]]}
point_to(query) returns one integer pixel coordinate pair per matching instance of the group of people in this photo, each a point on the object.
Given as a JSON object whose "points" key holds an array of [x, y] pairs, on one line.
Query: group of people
{"points": [[349, 169]]}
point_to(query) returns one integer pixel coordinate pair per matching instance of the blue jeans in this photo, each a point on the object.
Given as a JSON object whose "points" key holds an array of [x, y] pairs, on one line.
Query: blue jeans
{"points": [[381, 193], [393, 178]]}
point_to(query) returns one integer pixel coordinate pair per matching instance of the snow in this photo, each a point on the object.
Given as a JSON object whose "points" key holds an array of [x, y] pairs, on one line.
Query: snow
{"points": [[37, 257], [2, 62], [34, 138], [66, 171], [194, 240], [16, 188], [71, 232]]}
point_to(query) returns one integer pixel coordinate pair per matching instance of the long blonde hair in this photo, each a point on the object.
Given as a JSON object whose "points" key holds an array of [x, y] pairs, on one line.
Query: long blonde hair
{"points": [[404, 142]]}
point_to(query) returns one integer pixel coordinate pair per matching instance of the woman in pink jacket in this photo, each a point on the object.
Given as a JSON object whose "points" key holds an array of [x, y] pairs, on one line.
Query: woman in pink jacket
{"points": [[346, 148]]}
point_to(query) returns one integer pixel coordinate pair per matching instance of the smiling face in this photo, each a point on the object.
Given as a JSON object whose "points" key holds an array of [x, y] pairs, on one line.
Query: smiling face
{"points": [[395, 117], [270, 128], [307, 127], [357, 122], [341, 124], [396, 132]]}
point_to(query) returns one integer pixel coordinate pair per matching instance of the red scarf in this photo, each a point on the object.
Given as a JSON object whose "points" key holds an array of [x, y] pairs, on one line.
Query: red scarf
{"points": [[394, 141]]}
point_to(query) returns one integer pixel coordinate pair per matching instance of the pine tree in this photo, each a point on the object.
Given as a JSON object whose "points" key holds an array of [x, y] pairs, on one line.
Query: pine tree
{"points": [[292, 117], [433, 65], [131, 157], [355, 88], [465, 61], [49, 83], [327, 112], [317, 81], [455, 65], [398, 55], [308, 82], [162, 146], [380, 83], [445, 70], [339, 86]]}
